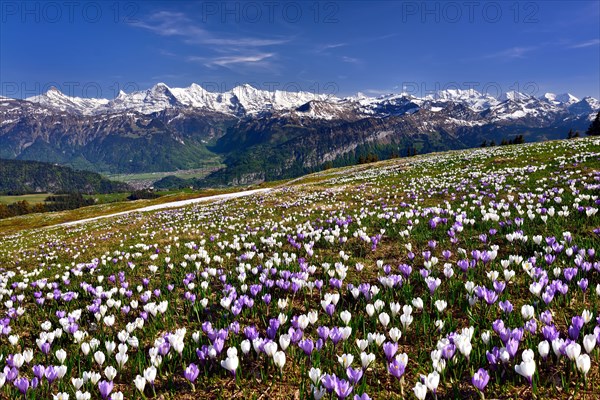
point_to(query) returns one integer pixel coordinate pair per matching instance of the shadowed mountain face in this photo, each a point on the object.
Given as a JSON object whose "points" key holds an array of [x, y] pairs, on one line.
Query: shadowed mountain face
{"points": [[35, 177], [268, 135]]}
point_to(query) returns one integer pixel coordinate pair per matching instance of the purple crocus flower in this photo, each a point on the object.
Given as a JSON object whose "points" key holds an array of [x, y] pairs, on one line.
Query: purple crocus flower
{"points": [[492, 356], [164, 348], [295, 334], [498, 325], [517, 334], [546, 317], [342, 388], [506, 306], [531, 326], [307, 346], [548, 295], [448, 351], [404, 270], [22, 384], [45, 348], [573, 332], [499, 286], [251, 332], [490, 296], [354, 375], [105, 388], [38, 371], [480, 379], [266, 298], [319, 344], [191, 373], [576, 323], [390, 349], [569, 273], [550, 333], [328, 382], [396, 368], [51, 373], [330, 309], [11, 373], [512, 346], [272, 329], [336, 335]]}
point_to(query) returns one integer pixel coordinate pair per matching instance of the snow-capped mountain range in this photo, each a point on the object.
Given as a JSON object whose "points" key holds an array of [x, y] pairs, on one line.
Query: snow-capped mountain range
{"points": [[247, 100], [243, 99], [260, 134]]}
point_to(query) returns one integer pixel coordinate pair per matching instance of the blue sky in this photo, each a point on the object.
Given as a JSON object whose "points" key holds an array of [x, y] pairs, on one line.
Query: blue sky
{"points": [[93, 49]]}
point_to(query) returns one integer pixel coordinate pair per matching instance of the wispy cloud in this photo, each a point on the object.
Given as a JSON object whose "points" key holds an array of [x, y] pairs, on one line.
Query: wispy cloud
{"points": [[243, 42], [232, 50], [227, 61], [328, 46], [167, 53], [350, 60], [377, 92], [513, 52], [323, 48], [167, 23], [589, 43]]}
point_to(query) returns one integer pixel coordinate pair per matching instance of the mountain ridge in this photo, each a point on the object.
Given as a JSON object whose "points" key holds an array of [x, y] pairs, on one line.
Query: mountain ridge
{"points": [[247, 100], [262, 134]]}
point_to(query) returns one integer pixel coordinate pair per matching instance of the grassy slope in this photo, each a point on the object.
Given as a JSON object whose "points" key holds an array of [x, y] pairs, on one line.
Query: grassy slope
{"points": [[356, 187], [34, 221], [31, 198]]}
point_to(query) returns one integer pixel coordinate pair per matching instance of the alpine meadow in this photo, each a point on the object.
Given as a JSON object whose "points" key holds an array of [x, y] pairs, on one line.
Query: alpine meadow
{"points": [[299, 200]]}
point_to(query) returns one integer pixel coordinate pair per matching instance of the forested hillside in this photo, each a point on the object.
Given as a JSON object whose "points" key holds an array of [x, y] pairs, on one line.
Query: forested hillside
{"points": [[20, 177]]}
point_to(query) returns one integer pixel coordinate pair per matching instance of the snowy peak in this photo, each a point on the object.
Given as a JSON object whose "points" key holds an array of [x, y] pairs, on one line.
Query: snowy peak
{"points": [[586, 106], [256, 100], [514, 96], [471, 98], [566, 98], [55, 99], [559, 99], [316, 109], [455, 94], [155, 99], [161, 93], [549, 97]]}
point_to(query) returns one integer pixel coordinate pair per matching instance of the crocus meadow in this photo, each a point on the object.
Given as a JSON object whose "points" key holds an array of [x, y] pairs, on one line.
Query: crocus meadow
{"points": [[465, 274]]}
